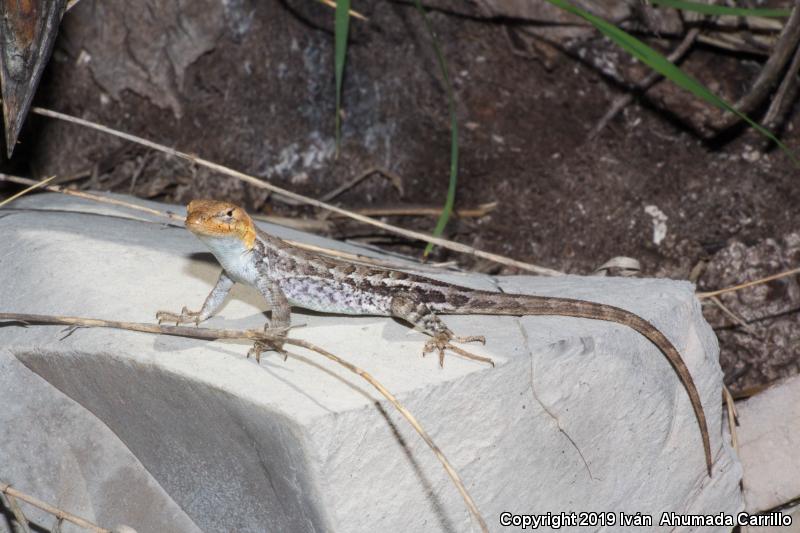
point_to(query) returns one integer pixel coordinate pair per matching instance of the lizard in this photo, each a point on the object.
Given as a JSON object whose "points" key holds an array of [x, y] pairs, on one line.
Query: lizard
{"points": [[287, 276]]}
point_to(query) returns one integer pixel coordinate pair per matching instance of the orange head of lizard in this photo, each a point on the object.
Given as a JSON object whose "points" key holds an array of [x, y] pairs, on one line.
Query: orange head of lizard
{"points": [[210, 218]]}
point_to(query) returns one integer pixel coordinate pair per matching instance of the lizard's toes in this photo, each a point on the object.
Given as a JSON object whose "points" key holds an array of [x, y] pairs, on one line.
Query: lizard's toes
{"points": [[275, 344], [439, 344], [255, 351], [473, 338], [166, 316]]}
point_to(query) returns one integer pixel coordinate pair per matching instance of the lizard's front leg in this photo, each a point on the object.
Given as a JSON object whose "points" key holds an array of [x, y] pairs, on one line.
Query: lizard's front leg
{"points": [[280, 318], [210, 306], [423, 317]]}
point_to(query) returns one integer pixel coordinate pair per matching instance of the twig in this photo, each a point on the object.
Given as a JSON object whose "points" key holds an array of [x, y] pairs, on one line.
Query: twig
{"points": [[179, 331], [411, 211], [736, 318], [444, 243], [733, 417], [19, 516], [26, 191], [283, 221], [741, 286], [785, 95], [648, 81], [787, 42], [731, 43], [396, 180], [11, 492], [411, 420], [89, 196], [213, 334]]}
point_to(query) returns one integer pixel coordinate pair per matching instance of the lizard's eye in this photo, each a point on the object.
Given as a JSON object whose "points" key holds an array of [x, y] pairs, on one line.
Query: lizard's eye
{"points": [[229, 213]]}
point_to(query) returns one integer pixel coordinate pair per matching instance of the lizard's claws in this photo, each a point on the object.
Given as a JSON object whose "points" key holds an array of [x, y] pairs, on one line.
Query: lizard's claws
{"points": [[183, 317], [275, 345], [441, 342]]}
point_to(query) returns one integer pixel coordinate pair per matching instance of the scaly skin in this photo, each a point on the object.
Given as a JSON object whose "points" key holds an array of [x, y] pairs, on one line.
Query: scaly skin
{"points": [[289, 276]]}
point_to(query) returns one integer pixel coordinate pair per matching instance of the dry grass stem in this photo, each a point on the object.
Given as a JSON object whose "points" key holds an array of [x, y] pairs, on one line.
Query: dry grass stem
{"points": [[304, 224], [736, 318], [90, 196], [213, 334], [733, 43], [411, 211], [733, 416], [396, 180], [19, 516], [11, 493], [741, 286], [283, 221], [417, 235], [473, 509], [34, 185]]}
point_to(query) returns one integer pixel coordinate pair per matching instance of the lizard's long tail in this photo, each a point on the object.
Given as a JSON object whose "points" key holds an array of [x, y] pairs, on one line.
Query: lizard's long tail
{"points": [[519, 305]]}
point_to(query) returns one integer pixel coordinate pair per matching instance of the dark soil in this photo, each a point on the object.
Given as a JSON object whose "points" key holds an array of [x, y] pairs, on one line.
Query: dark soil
{"points": [[252, 86]]}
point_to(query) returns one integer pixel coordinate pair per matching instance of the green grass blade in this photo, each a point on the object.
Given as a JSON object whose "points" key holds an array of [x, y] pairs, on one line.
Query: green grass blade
{"points": [[660, 64], [341, 30], [708, 9], [447, 210]]}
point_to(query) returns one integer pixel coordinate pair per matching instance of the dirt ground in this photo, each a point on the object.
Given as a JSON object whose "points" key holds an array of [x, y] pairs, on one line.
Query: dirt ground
{"points": [[251, 85]]}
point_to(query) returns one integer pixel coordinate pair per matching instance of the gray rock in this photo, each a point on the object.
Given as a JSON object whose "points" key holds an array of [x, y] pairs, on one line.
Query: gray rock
{"points": [[579, 415], [768, 442]]}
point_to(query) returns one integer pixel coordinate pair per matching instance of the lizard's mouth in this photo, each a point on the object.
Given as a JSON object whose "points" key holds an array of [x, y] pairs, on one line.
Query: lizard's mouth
{"points": [[194, 223]]}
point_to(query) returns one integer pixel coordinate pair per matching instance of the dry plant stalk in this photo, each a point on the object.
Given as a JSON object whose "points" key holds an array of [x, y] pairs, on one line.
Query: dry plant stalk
{"points": [[411, 211], [747, 284], [12, 493], [172, 216], [736, 318], [23, 192], [283, 221], [213, 334], [733, 416], [80, 194], [418, 235]]}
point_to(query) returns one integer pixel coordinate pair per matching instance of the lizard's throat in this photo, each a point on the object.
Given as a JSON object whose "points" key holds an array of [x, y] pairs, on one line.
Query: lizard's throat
{"points": [[233, 254]]}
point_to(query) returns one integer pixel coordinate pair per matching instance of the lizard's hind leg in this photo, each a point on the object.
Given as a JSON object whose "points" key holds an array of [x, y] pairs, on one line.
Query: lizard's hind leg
{"points": [[423, 318], [279, 322]]}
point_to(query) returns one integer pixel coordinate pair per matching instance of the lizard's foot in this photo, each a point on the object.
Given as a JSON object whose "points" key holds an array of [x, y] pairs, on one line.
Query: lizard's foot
{"points": [[442, 341], [185, 317], [275, 345]]}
